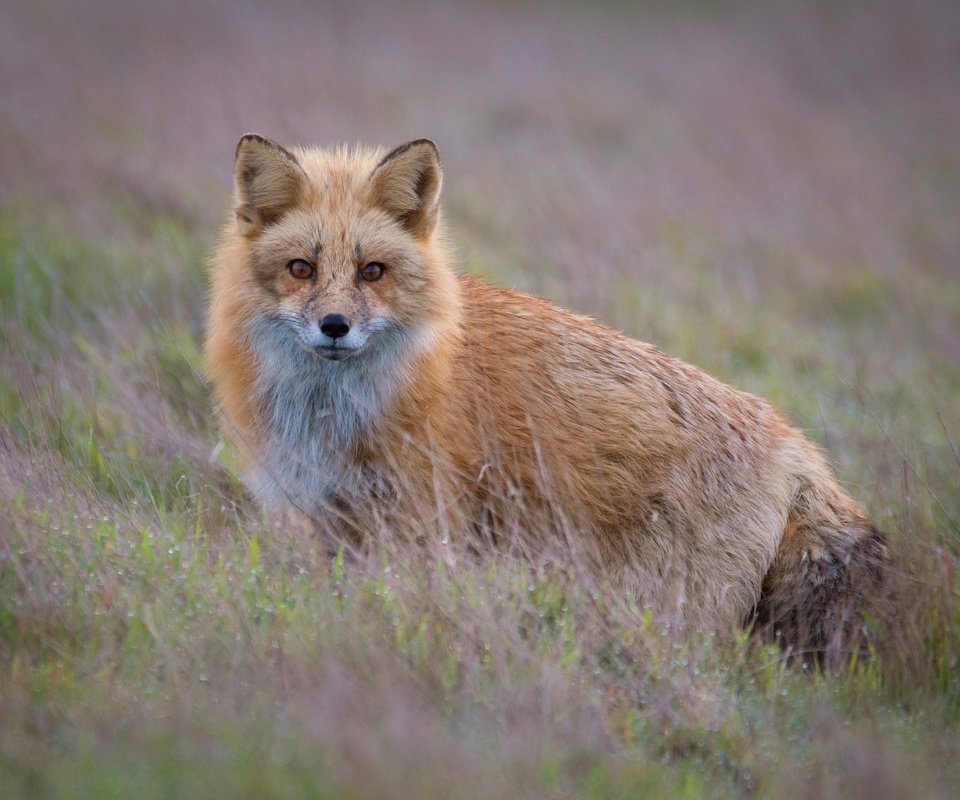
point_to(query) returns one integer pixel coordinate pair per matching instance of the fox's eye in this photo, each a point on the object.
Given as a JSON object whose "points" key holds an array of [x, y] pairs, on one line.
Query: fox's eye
{"points": [[372, 271], [301, 269]]}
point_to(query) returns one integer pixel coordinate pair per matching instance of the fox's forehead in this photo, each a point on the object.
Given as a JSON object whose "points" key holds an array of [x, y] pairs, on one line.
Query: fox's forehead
{"points": [[335, 211], [341, 174], [336, 230], [329, 230]]}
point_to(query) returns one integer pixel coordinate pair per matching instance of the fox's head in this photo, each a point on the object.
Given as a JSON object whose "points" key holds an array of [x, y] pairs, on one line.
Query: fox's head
{"points": [[341, 248]]}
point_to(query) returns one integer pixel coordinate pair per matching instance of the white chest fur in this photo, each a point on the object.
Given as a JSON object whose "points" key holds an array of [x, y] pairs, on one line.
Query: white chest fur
{"points": [[313, 413]]}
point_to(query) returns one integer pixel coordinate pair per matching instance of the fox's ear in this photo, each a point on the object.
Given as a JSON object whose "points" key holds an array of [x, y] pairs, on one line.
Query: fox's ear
{"points": [[268, 180], [407, 184]]}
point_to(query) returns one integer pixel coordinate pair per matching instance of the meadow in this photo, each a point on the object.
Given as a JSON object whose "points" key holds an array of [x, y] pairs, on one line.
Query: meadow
{"points": [[770, 191]]}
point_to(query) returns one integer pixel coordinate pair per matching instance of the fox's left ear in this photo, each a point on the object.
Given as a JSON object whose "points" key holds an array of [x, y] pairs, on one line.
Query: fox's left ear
{"points": [[407, 182]]}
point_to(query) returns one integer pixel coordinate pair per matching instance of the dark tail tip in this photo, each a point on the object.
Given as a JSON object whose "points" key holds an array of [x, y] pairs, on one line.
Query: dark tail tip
{"points": [[826, 603]]}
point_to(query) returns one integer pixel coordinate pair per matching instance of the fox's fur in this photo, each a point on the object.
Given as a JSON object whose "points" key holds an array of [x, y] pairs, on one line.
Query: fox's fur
{"points": [[455, 407]]}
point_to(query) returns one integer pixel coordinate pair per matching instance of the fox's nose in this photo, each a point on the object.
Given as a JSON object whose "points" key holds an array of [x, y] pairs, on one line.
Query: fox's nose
{"points": [[334, 326]]}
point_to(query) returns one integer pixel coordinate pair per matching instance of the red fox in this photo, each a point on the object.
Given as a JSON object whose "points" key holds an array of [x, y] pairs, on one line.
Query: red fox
{"points": [[360, 376]]}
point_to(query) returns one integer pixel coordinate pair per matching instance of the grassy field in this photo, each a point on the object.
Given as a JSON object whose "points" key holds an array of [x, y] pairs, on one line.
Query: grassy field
{"points": [[770, 191]]}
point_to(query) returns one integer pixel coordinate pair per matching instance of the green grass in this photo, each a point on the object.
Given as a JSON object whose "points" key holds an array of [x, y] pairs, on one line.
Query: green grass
{"points": [[158, 638]]}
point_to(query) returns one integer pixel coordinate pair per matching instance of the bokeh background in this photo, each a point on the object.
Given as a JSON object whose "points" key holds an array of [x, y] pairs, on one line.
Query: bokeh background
{"points": [[768, 190]]}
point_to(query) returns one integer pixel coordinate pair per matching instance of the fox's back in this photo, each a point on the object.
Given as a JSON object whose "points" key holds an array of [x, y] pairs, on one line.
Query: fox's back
{"points": [[661, 460]]}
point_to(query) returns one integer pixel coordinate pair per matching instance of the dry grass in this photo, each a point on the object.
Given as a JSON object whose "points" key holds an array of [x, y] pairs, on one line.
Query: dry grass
{"points": [[771, 191]]}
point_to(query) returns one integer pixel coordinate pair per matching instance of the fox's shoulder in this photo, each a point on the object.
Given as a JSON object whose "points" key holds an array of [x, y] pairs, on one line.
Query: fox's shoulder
{"points": [[498, 311], [513, 322], [521, 339]]}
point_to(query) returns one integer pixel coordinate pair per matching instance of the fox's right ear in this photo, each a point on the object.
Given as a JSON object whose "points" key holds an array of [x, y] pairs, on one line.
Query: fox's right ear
{"points": [[407, 183], [268, 180]]}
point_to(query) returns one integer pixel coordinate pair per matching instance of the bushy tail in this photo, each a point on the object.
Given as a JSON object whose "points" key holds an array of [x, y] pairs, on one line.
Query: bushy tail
{"points": [[827, 589]]}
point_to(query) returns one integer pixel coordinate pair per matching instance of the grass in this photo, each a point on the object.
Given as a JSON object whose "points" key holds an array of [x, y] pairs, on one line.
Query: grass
{"points": [[776, 214]]}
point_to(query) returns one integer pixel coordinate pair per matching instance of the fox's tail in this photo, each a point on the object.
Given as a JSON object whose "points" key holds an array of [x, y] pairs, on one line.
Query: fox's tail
{"points": [[828, 585]]}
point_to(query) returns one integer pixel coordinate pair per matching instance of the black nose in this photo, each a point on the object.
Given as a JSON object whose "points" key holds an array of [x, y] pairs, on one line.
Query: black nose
{"points": [[334, 326]]}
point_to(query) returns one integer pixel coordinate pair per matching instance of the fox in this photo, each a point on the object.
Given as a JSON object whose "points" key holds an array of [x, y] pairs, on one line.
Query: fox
{"points": [[368, 385]]}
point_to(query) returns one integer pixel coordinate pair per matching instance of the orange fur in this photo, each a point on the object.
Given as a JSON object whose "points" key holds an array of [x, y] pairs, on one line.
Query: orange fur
{"points": [[472, 407]]}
